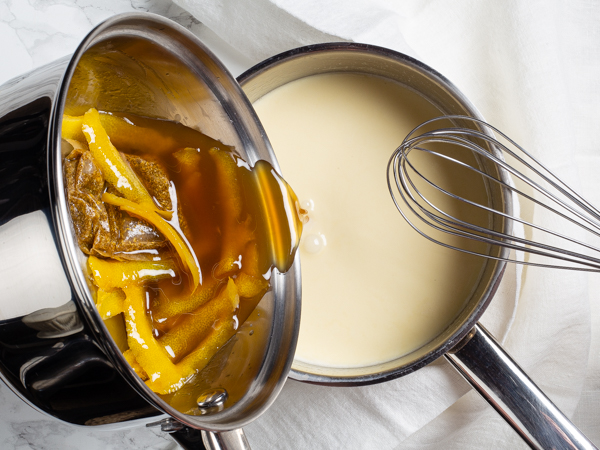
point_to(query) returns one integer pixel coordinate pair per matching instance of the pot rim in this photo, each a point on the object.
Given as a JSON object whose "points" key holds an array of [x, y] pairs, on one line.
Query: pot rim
{"points": [[301, 371], [256, 146]]}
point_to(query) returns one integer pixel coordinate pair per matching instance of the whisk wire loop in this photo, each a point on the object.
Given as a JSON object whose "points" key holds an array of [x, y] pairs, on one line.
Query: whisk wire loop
{"points": [[497, 175], [488, 209]]}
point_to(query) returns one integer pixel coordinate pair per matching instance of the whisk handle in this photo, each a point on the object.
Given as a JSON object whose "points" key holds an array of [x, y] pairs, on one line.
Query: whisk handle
{"points": [[492, 372]]}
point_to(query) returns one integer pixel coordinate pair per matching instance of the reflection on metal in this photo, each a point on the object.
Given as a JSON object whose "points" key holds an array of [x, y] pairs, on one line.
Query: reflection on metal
{"points": [[170, 425], [32, 363], [234, 439], [49, 356], [212, 399], [193, 439], [501, 382], [113, 420], [55, 322], [189, 438]]}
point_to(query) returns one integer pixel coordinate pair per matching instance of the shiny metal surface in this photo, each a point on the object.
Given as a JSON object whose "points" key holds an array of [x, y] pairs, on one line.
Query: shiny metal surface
{"points": [[474, 353], [211, 399], [501, 382], [376, 61], [170, 425], [479, 358], [191, 439], [235, 439], [49, 355], [147, 65], [561, 208]]}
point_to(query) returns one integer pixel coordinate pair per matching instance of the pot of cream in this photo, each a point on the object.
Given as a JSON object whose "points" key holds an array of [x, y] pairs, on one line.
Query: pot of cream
{"points": [[379, 302]]}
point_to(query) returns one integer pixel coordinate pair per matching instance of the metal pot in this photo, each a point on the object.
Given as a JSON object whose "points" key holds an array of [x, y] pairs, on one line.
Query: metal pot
{"points": [[57, 354], [465, 343]]}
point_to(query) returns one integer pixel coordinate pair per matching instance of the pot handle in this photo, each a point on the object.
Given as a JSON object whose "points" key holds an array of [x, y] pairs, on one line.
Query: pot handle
{"points": [[192, 439], [501, 382], [226, 440]]}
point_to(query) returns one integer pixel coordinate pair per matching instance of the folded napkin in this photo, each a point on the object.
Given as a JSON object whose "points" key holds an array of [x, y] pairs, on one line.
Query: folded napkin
{"points": [[529, 67]]}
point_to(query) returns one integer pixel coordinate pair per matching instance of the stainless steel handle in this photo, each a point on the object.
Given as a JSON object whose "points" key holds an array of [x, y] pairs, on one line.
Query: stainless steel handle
{"points": [[193, 439], [225, 440], [492, 372]]}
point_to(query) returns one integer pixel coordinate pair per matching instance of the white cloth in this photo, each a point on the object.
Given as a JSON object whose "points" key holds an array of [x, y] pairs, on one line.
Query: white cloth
{"points": [[531, 68]]}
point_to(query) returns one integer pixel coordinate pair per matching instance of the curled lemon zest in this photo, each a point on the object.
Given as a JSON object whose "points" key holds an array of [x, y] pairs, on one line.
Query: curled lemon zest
{"points": [[109, 275], [153, 358], [112, 165], [166, 228]]}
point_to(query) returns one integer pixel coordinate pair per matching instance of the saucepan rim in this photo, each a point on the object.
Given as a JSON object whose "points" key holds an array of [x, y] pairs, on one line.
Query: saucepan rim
{"points": [[346, 57], [286, 288]]}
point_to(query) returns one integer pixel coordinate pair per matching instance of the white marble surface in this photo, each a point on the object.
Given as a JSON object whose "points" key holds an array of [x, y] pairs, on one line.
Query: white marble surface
{"points": [[35, 32]]}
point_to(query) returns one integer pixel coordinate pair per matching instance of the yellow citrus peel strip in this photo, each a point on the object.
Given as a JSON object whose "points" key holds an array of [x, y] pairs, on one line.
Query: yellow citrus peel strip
{"points": [[109, 275], [130, 358], [109, 303], [149, 215], [122, 132], [71, 128], [250, 282], [174, 306], [148, 353], [164, 376], [194, 327], [113, 167]]}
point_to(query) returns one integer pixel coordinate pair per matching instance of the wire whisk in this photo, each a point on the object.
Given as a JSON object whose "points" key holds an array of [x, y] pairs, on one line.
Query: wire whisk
{"points": [[484, 190]]}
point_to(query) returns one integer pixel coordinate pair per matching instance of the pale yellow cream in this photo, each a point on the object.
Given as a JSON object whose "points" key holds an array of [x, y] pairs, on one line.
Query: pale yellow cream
{"points": [[373, 289]]}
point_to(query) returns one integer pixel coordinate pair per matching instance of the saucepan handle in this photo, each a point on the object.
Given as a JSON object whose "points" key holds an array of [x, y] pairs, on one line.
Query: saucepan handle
{"points": [[191, 439], [227, 440], [492, 372]]}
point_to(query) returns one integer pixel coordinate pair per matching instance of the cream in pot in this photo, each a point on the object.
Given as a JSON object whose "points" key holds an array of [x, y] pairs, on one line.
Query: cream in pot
{"points": [[373, 290]]}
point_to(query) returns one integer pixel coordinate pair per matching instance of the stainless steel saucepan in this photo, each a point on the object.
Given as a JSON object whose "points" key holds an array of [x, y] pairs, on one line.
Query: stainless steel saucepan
{"points": [[56, 352], [465, 343]]}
